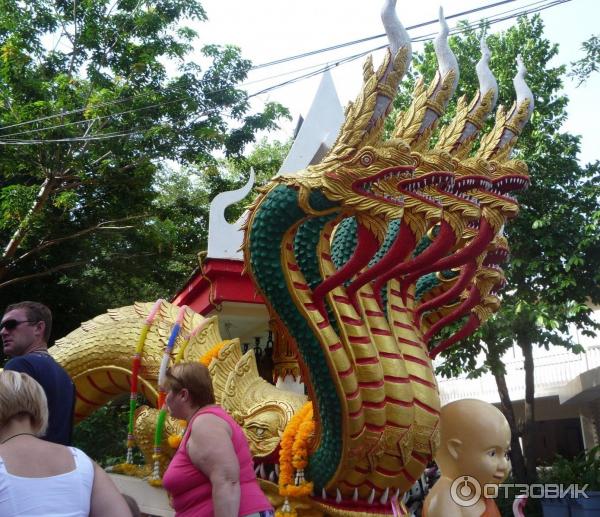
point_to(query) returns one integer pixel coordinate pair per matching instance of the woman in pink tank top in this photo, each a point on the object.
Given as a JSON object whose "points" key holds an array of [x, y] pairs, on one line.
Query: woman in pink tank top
{"points": [[212, 472]]}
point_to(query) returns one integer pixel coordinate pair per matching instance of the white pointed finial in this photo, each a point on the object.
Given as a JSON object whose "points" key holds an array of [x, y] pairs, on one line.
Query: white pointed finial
{"points": [[444, 29], [225, 239], [396, 33], [487, 81], [445, 57], [521, 89]]}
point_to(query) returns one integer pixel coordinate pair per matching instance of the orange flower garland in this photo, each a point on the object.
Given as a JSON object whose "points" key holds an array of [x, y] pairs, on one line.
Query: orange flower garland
{"points": [[175, 439], [293, 458], [213, 352]]}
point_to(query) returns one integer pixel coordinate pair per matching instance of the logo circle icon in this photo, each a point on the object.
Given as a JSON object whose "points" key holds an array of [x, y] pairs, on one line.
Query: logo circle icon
{"points": [[465, 491]]}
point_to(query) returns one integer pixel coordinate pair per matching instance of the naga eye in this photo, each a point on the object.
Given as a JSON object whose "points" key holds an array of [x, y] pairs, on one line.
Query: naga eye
{"points": [[367, 159]]}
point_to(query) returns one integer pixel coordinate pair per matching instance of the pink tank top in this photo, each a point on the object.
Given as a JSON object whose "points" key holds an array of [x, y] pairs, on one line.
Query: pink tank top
{"points": [[190, 489]]}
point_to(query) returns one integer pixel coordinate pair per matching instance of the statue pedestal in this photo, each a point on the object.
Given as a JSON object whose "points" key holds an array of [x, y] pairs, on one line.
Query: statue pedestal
{"points": [[151, 500]]}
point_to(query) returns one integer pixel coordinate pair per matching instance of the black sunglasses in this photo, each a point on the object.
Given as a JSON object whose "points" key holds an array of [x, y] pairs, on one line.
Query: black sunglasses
{"points": [[13, 324]]}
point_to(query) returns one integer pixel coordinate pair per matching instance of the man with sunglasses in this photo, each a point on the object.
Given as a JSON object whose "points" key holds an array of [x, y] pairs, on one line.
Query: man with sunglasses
{"points": [[25, 331]]}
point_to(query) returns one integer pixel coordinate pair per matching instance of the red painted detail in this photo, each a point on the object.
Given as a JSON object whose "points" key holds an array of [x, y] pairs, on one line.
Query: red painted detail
{"points": [[341, 299], [473, 299], [300, 285], [335, 346], [399, 402], [401, 325], [359, 340], [376, 314], [101, 390], [361, 470], [353, 395], [395, 292], [370, 384], [326, 236], [326, 256], [398, 308], [374, 405], [367, 245], [467, 273], [87, 401], [427, 408], [346, 373], [390, 355], [422, 381], [397, 426], [419, 457], [408, 476], [469, 327], [441, 245], [357, 322], [221, 279], [367, 360], [409, 342], [310, 306], [414, 359], [110, 378], [387, 472], [356, 414], [323, 324], [380, 332], [375, 428], [289, 247], [397, 253], [293, 267], [368, 296], [396, 380]]}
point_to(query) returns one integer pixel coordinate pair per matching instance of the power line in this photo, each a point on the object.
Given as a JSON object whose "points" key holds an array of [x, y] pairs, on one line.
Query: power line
{"points": [[126, 99], [370, 38], [318, 71]]}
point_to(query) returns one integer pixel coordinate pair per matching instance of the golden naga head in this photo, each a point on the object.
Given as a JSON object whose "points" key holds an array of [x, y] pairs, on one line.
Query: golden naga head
{"points": [[261, 409], [361, 170], [98, 357]]}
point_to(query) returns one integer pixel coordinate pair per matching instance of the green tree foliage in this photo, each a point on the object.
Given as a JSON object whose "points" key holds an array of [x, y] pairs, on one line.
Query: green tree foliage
{"points": [[90, 215], [589, 63], [553, 272]]}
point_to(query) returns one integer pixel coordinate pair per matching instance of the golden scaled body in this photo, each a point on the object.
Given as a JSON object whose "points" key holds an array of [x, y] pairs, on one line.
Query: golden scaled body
{"points": [[98, 357]]}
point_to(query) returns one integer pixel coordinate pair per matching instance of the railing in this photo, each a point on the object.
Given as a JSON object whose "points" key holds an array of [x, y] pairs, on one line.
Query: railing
{"points": [[553, 370]]}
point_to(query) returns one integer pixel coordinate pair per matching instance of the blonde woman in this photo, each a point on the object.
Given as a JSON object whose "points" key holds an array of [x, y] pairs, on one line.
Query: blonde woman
{"points": [[39, 478], [211, 474]]}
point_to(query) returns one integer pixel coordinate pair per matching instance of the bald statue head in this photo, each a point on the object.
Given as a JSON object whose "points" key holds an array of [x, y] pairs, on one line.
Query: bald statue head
{"points": [[475, 438]]}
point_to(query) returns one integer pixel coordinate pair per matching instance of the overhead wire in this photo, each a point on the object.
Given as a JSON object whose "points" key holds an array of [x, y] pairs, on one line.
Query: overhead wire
{"points": [[4, 140], [132, 97]]}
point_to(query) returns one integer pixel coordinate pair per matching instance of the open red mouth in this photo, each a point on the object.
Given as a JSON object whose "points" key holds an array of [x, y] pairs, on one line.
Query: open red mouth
{"points": [[465, 183], [442, 180], [369, 186], [504, 186]]}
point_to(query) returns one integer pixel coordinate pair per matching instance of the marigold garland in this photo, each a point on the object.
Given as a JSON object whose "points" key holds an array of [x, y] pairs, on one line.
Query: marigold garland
{"points": [[293, 458], [213, 352]]}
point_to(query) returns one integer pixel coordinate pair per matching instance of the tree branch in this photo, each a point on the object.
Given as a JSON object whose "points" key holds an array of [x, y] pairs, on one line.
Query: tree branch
{"points": [[68, 265], [19, 234], [97, 227], [40, 274]]}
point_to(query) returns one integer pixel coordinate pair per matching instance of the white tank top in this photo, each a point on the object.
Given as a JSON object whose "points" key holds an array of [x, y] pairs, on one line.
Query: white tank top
{"points": [[64, 495]]}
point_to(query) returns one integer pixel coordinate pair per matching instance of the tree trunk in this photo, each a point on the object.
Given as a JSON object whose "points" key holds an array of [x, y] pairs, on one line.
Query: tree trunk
{"points": [[19, 234], [516, 454], [529, 423]]}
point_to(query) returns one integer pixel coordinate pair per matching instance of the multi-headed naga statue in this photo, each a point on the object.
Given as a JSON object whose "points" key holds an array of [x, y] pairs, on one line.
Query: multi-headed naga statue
{"points": [[364, 258]]}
